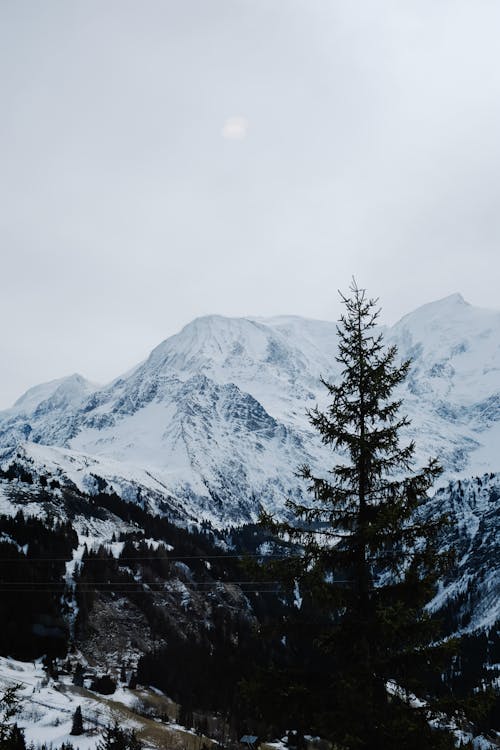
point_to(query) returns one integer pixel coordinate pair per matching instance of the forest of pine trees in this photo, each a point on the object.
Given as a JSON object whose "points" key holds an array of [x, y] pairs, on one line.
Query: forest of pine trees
{"points": [[32, 583]]}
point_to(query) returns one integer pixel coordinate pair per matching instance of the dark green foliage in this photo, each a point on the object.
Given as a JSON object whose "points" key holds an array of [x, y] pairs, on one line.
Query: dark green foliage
{"points": [[188, 669], [15, 739], [470, 677], [369, 565], [185, 717], [472, 668], [104, 685], [99, 571], [11, 736], [116, 738], [133, 681], [78, 677], [16, 471], [32, 556], [77, 725], [191, 541]]}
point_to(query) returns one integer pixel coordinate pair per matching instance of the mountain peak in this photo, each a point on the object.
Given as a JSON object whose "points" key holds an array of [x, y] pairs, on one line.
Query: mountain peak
{"points": [[73, 386], [450, 302], [452, 299], [442, 309]]}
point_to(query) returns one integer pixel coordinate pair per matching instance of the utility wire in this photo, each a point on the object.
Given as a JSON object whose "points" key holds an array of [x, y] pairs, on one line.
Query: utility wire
{"points": [[38, 586], [240, 556], [128, 591], [135, 583]]}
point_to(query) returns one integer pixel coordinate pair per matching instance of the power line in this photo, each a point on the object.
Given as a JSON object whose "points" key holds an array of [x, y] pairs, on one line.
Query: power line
{"points": [[151, 588], [127, 591], [180, 558], [138, 583]]}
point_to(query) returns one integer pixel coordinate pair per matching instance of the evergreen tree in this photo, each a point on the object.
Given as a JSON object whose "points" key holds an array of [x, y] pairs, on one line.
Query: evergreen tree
{"points": [[77, 726], [78, 676], [185, 718], [134, 743], [103, 684], [11, 737], [115, 738], [370, 564], [15, 740], [133, 681]]}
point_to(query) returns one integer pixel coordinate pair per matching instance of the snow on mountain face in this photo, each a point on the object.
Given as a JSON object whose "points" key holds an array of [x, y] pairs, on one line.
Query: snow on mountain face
{"points": [[57, 394], [212, 445], [453, 390], [456, 351], [217, 414], [472, 592], [42, 405], [277, 361]]}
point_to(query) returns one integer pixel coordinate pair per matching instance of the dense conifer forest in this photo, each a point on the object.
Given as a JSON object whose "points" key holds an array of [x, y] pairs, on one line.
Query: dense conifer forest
{"points": [[260, 650]]}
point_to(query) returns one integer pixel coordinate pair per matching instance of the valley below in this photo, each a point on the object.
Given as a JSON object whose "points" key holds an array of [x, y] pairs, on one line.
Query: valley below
{"points": [[130, 535]]}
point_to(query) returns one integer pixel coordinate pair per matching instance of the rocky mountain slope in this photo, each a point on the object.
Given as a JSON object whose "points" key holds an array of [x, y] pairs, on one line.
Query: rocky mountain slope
{"points": [[213, 424], [209, 428]]}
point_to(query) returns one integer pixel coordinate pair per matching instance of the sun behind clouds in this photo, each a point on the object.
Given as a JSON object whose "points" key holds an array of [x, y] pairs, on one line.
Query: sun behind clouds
{"points": [[235, 128]]}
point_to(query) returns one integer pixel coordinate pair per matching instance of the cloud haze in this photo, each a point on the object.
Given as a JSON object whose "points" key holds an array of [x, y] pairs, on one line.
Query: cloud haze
{"points": [[164, 160]]}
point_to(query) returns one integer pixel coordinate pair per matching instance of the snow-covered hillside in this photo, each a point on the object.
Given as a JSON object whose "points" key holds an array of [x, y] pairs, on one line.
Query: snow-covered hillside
{"points": [[215, 419], [471, 592]]}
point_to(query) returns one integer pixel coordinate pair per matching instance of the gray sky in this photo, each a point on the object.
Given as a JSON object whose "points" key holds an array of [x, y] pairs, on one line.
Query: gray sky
{"points": [[164, 160]]}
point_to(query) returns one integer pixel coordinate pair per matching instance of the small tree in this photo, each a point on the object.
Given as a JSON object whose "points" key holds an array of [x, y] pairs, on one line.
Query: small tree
{"points": [[78, 676], [115, 738], [15, 740], [104, 684], [11, 736], [77, 726], [134, 743], [370, 564], [133, 681]]}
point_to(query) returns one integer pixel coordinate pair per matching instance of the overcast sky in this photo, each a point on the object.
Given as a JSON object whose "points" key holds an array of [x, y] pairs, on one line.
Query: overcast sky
{"points": [[164, 160]]}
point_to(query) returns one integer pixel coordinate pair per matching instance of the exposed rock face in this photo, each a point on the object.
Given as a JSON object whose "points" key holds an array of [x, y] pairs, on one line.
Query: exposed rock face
{"points": [[214, 421], [472, 592], [213, 425]]}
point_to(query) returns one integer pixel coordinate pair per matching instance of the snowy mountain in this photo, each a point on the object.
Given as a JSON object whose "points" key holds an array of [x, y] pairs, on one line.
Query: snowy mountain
{"points": [[453, 390], [214, 421], [471, 593], [212, 426]]}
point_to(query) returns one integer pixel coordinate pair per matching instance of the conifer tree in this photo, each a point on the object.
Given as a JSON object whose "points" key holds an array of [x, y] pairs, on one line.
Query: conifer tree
{"points": [[77, 725], [115, 738], [16, 740], [78, 676], [133, 681], [370, 564], [11, 736]]}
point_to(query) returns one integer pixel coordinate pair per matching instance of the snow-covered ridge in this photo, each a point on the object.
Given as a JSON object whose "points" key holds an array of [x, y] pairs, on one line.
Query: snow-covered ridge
{"points": [[63, 392], [473, 586], [217, 413]]}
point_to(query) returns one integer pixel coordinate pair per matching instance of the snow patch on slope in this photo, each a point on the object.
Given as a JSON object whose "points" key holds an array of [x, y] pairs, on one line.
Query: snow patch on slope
{"points": [[215, 419]]}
